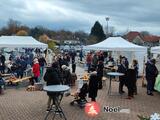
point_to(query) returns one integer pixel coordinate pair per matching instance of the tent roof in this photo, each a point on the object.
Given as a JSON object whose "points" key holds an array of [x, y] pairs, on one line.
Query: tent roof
{"points": [[115, 44], [21, 41], [155, 49]]}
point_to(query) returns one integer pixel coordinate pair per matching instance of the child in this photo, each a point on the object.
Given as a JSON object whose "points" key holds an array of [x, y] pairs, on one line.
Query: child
{"points": [[80, 95]]}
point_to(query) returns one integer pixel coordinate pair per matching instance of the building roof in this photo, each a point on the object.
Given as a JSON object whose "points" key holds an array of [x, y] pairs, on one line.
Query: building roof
{"points": [[131, 35], [150, 38], [146, 38]]}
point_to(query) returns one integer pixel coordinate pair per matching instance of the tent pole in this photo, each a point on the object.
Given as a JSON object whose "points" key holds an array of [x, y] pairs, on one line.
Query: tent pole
{"points": [[47, 55], [143, 76]]}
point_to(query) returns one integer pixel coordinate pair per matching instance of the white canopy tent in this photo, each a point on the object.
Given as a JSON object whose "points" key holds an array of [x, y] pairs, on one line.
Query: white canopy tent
{"points": [[155, 49], [20, 42], [115, 44], [120, 46]]}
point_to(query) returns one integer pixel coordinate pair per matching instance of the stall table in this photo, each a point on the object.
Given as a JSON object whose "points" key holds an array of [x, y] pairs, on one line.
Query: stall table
{"points": [[59, 89], [112, 74]]}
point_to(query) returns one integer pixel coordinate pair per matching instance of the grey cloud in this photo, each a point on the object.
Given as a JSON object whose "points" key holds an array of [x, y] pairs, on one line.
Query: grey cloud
{"points": [[81, 14]]}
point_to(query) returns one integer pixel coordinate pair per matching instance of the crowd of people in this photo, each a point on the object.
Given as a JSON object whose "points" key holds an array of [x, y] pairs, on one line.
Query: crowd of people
{"points": [[95, 64], [59, 72], [97, 60]]}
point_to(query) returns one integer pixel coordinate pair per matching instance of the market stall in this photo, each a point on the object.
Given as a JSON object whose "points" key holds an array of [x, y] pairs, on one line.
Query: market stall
{"points": [[20, 42], [120, 46]]}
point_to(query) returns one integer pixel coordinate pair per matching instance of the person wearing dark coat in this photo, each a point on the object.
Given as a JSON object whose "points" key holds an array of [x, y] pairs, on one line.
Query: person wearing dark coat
{"points": [[21, 66], [65, 61], [101, 57], [135, 66], [93, 85], [2, 60], [81, 55], [73, 55], [52, 77], [73, 66], [42, 63], [100, 67], [126, 62], [94, 61], [66, 75], [122, 69], [60, 62], [151, 74], [130, 82]]}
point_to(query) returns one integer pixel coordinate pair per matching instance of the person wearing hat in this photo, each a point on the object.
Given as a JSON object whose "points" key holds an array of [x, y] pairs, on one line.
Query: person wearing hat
{"points": [[36, 71], [66, 75], [93, 84]]}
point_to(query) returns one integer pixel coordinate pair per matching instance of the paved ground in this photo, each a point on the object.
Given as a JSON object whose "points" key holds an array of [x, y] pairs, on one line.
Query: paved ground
{"points": [[18, 104]]}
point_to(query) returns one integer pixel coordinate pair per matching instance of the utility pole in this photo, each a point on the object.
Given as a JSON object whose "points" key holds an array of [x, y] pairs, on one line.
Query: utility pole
{"points": [[107, 19]]}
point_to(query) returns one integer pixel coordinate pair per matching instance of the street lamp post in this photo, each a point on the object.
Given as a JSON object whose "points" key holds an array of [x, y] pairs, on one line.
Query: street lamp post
{"points": [[107, 19]]}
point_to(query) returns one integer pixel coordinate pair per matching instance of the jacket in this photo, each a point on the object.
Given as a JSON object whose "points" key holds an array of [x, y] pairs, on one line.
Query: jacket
{"points": [[122, 69], [52, 76], [93, 85], [36, 70], [151, 71]]}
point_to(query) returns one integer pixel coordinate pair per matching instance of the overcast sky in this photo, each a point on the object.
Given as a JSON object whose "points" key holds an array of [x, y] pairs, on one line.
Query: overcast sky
{"points": [[140, 15]]}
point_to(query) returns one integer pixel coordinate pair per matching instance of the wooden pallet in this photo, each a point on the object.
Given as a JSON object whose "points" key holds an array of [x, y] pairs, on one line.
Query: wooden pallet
{"points": [[21, 79]]}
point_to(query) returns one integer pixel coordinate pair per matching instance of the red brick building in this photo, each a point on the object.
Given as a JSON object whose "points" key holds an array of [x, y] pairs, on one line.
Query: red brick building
{"points": [[140, 39]]}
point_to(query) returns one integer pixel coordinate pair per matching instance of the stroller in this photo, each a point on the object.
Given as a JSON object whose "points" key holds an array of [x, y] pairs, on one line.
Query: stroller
{"points": [[80, 97]]}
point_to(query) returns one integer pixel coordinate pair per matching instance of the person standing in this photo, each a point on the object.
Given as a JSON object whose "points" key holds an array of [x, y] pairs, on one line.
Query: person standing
{"points": [[52, 77], [36, 71], [73, 66], [73, 55], [93, 85], [42, 63], [81, 55], [89, 61], [126, 62], [135, 66], [95, 61], [122, 69], [100, 73], [101, 56], [2, 59], [60, 61], [130, 82], [151, 74], [66, 74], [21, 67], [65, 61]]}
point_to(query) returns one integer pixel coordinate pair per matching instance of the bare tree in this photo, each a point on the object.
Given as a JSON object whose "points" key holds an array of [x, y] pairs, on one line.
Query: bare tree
{"points": [[13, 26]]}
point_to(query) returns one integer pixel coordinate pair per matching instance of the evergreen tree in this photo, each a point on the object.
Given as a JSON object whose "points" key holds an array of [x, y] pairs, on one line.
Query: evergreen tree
{"points": [[97, 32]]}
